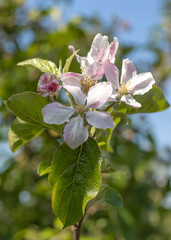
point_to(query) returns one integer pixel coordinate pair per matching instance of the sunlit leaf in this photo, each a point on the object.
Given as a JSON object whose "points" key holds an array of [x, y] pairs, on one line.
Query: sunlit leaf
{"points": [[41, 64]]}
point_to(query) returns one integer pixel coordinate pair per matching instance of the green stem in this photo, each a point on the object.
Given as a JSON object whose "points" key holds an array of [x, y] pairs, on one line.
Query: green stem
{"points": [[110, 105], [70, 98], [51, 99]]}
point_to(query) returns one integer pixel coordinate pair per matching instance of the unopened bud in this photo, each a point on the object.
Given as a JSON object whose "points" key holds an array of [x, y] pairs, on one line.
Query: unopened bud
{"points": [[48, 84]]}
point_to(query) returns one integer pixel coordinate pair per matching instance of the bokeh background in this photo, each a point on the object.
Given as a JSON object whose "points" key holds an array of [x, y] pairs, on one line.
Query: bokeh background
{"points": [[142, 149]]}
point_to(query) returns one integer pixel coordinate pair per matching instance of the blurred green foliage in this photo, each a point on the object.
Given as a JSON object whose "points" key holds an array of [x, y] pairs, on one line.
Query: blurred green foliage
{"points": [[142, 175]]}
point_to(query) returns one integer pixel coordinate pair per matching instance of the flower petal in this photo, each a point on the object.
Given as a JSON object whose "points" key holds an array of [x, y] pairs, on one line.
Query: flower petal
{"points": [[111, 73], [141, 83], [100, 120], [94, 71], [71, 78], [128, 70], [113, 49], [75, 134], [98, 95], [82, 60], [99, 49], [129, 100], [114, 97], [76, 92], [56, 113]]}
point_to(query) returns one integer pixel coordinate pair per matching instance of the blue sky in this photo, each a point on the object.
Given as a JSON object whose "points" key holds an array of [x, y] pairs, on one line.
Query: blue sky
{"points": [[141, 14]]}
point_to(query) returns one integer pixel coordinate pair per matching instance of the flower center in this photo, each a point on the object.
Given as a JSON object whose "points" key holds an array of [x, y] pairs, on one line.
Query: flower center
{"points": [[80, 109], [124, 89], [86, 83]]}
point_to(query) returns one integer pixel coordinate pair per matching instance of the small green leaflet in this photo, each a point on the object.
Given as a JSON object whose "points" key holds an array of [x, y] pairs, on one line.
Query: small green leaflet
{"points": [[68, 62], [44, 168], [108, 195]]}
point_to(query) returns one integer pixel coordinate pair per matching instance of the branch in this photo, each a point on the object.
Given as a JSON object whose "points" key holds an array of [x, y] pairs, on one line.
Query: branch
{"points": [[76, 229]]}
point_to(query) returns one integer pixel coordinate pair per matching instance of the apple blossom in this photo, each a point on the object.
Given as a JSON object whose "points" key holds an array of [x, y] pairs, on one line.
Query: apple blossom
{"points": [[131, 82], [79, 84], [75, 131], [48, 84], [100, 51]]}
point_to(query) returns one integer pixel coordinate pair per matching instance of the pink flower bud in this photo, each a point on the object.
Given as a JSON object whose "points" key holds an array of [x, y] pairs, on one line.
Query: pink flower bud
{"points": [[48, 84]]}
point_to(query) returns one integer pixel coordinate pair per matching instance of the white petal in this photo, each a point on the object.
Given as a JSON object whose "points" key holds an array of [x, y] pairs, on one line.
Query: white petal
{"points": [[56, 113], [75, 134], [113, 49], [100, 120], [128, 70], [94, 71], [71, 78], [76, 92], [98, 95], [114, 97], [141, 83], [111, 73], [99, 49], [82, 60], [128, 99]]}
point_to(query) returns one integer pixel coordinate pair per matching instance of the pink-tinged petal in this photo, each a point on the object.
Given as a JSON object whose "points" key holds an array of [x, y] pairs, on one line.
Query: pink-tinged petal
{"points": [[114, 97], [76, 92], [100, 120], [99, 49], [94, 71], [75, 134], [71, 78], [113, 49], [141, 83], [129, 100], [82, 60], [128, 70], [111, 73], [56, 113], [98, 95]]}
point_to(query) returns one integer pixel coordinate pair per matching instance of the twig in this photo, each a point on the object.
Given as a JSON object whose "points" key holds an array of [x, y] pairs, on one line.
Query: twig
{"points": [[76, 228]]}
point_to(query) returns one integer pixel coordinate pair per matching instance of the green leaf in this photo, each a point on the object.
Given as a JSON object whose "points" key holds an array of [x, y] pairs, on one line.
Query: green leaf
{"points": [[28, 107], [152, 101], [108, 195], [117, 114], [42, 65], [113, 198], [75, 178], [106, 166], [21, 132], [68, 62], [44, 168]]}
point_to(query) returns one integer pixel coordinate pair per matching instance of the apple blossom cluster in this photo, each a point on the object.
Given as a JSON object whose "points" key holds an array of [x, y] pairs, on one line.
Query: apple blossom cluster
{"points": [[89, 94]]}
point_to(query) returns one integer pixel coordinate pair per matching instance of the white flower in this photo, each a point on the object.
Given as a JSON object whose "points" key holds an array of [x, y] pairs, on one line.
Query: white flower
{"points": [[75, 131], [100, 51], [131, 83]]}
